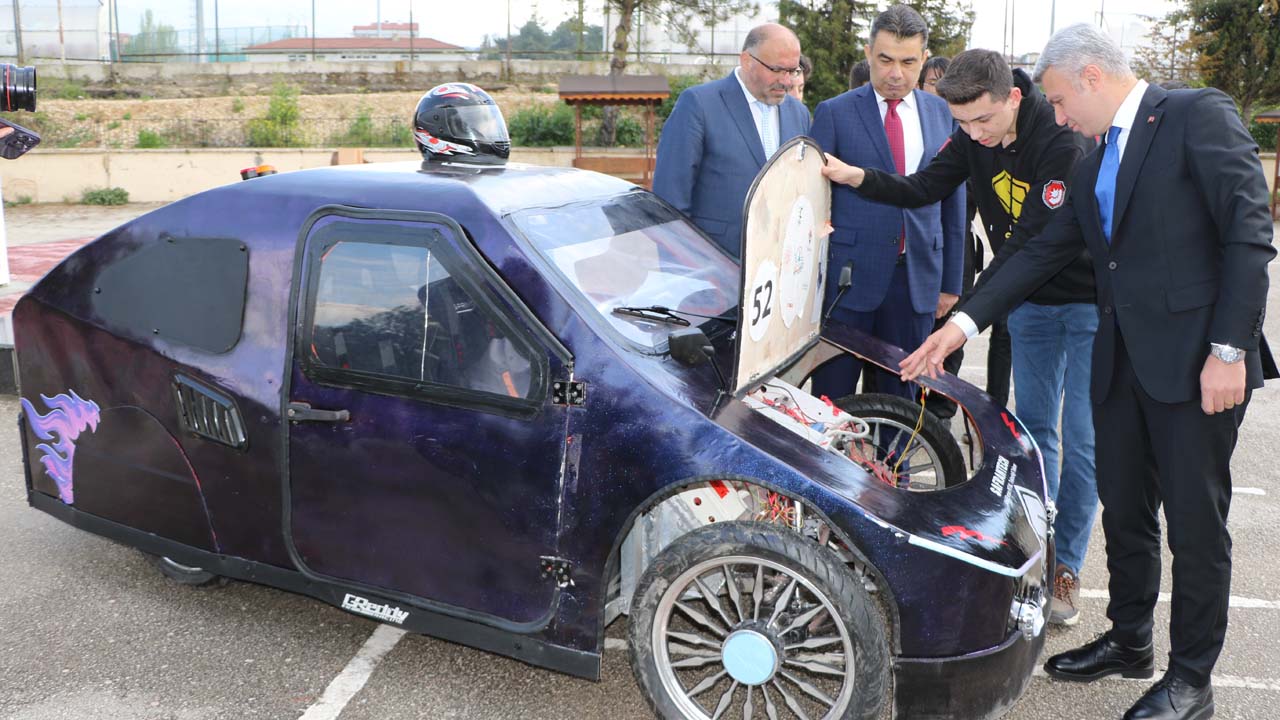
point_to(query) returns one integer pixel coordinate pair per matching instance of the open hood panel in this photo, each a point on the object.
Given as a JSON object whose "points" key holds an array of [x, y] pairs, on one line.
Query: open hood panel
{"points": [[786, 222]]}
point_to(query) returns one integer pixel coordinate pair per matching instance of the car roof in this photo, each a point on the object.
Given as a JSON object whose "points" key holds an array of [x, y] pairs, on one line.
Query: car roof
{"points": [[438, 187]]}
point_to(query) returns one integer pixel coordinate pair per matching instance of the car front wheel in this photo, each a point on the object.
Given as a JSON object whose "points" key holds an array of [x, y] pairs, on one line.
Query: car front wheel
{"points": [[748, 619]]}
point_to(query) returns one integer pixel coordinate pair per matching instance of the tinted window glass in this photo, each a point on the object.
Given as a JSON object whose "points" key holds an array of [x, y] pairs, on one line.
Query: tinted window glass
{"points": [[398, 311]]}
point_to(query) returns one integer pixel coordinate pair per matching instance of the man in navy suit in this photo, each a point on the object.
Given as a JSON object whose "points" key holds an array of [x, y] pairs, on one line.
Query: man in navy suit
{"points": [[1173, 211], [908, 264], [722, 132]]}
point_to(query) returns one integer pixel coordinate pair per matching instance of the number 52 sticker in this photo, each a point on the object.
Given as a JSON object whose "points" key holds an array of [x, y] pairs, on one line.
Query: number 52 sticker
{"points": [[763, 300]]}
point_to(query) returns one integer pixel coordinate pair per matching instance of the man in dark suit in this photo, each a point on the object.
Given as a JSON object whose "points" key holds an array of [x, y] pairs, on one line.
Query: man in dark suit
{"points": [[907, 263], [722, 132], [1180, 238]]}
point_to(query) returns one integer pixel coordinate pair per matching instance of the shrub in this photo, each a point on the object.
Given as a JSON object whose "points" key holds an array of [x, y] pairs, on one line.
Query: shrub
{"points": [[150, 139], [279, 127], [237, 105], [1265, 135], [542, 126], [630, 131], [104, 196]]}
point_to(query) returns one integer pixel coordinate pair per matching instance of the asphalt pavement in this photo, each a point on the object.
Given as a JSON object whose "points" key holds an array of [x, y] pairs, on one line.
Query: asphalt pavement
{"points": [[89, 629]]}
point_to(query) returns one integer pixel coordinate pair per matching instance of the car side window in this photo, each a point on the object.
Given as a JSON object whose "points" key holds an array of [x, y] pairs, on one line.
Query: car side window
{"points": [[400, 312]]}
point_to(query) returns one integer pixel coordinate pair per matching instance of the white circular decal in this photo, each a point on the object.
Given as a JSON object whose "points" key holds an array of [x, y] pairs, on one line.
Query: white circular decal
{"points": [[762, 300], [797, 260]]}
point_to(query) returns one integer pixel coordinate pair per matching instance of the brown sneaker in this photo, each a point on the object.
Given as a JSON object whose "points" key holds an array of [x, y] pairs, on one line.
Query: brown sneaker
{"points": [[1064, 607]]}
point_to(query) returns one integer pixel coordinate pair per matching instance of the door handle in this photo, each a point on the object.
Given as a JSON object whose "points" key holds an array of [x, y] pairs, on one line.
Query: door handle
{"points": [[303, 412]]}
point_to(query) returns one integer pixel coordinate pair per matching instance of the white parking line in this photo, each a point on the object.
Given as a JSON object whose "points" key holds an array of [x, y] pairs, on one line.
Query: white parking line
{"points": [[354, 675], [1247, 491], [1236, 601], [1218, 681], [615, 644]]}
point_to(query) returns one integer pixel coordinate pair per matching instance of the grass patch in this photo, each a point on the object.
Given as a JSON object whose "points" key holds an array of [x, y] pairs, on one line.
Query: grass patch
{"points": [[104, 196], [150, 139]]}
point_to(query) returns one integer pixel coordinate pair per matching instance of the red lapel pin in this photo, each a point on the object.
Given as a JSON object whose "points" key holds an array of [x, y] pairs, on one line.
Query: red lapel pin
{"points": [[1151, 119]]}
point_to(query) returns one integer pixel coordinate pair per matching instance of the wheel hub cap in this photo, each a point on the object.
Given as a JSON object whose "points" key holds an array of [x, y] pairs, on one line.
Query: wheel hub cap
{"points": [[750, 657]]}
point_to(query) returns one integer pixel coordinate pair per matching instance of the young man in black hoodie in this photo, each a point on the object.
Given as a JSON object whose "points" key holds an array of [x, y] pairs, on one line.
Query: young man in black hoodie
{"points": [[1020, 161]]}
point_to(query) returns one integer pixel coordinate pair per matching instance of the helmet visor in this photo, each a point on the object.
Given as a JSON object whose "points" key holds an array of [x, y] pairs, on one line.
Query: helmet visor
{"points": [[479, 123]]}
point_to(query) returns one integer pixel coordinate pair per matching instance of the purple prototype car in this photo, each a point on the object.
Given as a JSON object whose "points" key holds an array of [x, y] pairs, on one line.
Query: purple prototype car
{"points": [[508, 406]]}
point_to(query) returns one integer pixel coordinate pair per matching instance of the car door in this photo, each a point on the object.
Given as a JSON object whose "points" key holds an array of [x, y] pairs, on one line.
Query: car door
{"points": [[425, 452]]}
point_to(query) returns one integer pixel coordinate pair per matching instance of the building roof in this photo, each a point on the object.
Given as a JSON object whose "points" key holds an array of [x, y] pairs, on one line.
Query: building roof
{"points": [[352, 43], [387, 26], [613, 90]]}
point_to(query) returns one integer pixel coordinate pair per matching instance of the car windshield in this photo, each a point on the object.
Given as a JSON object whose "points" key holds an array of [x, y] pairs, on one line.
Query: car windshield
{"points": [[631, 250]]}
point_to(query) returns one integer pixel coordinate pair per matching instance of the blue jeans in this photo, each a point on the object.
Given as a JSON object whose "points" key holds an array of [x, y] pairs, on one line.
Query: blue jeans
{"points": [[1052, 352]]}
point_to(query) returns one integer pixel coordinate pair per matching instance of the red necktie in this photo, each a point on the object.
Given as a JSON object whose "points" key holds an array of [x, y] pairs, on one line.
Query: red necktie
{"points": [[897, 146]]}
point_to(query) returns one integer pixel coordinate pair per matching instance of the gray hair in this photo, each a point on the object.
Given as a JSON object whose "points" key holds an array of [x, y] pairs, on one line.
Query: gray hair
{"points": [[1076, 46]]}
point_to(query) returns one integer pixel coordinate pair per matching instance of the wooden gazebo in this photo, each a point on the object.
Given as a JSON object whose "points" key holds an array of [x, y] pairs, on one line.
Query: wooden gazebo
{"points": [[646, 90], [1273, 116]]}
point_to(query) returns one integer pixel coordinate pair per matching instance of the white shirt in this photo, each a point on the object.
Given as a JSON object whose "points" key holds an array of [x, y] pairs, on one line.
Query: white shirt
{"points": [[758, 109], [1124, 119], [912, 136], [1127, 114]]}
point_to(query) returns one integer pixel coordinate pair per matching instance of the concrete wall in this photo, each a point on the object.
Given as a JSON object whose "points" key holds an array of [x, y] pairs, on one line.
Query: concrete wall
{"points": [[47, 176]]}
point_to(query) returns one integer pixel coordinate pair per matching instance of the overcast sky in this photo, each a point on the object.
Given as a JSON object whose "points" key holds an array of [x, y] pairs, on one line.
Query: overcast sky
{"points": [[466, 23]]}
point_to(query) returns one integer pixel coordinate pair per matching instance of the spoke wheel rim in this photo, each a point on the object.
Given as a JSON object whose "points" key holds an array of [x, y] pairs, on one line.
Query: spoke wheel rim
{"points": [[812, 675], [922, 465]]}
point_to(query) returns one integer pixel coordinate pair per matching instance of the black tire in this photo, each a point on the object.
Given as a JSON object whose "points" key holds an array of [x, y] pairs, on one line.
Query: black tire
{"points": [[818, 613], [943, 461], [186, 575]]}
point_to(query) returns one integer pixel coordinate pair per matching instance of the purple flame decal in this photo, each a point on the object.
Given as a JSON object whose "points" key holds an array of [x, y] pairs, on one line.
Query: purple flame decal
{"points": [[68, 416]]}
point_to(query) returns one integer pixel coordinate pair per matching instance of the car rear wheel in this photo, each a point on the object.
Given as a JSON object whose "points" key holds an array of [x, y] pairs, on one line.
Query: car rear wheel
{"points": [[185, 574], [930, 459], [748, 619]]}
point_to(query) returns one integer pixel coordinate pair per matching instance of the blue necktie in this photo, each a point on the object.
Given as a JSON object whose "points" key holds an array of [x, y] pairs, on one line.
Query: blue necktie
{"points": [[1105, 189]]}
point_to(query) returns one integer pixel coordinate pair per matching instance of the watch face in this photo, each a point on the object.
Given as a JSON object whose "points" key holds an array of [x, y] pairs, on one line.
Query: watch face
{"points": [[1227, 354]]}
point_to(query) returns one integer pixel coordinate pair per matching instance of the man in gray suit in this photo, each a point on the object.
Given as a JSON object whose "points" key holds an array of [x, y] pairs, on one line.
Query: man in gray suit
{"points": [[722, 132]]}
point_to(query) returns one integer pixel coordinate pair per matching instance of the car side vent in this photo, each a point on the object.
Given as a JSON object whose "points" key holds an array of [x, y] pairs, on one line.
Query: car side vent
{"points": [[209, 414]]}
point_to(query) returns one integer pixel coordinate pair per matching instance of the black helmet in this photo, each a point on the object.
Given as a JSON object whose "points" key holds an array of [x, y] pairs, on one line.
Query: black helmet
{"points": [[459, 122]]}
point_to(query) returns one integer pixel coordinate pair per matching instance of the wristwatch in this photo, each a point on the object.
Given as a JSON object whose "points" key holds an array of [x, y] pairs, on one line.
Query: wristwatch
{"points": [[1226, 353]]}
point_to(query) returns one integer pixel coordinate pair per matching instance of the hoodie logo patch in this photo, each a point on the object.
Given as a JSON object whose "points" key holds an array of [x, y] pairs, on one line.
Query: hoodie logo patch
{"points": [[1055, 192]]}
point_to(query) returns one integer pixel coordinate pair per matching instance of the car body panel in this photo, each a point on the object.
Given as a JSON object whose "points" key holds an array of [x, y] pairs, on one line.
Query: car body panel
{"points": [[454, 513]]}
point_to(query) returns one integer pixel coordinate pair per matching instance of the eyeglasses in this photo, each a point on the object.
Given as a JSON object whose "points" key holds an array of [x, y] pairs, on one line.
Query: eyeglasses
{"points": [[794, 72]]}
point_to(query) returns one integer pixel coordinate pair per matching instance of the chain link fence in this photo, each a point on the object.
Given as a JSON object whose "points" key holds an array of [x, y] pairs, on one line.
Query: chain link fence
{"points": [[361, 131], [196, 31]]}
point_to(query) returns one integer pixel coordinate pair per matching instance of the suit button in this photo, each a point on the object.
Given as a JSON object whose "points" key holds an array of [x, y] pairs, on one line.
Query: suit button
{"points": [[1111, 265], [1106, 310]]}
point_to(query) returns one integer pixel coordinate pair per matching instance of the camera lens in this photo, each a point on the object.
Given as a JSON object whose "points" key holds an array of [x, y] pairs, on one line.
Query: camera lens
{"points": [[19, 92]]}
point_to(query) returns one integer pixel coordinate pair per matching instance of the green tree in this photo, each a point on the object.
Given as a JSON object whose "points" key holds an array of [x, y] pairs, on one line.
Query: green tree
{"points": [[832, 33], [565, 37], [678, 16], [152, 39], [949, 24], [1239, 46], [1170, 53]]}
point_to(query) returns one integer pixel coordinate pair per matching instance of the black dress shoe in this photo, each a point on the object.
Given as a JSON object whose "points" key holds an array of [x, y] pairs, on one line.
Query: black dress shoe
{"points": [[1101, 658], [1173, 699]]}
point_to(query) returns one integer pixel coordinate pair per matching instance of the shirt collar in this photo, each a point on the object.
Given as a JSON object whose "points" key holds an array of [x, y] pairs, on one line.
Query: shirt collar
{"points": [[909, 101], [1127, 113]]}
